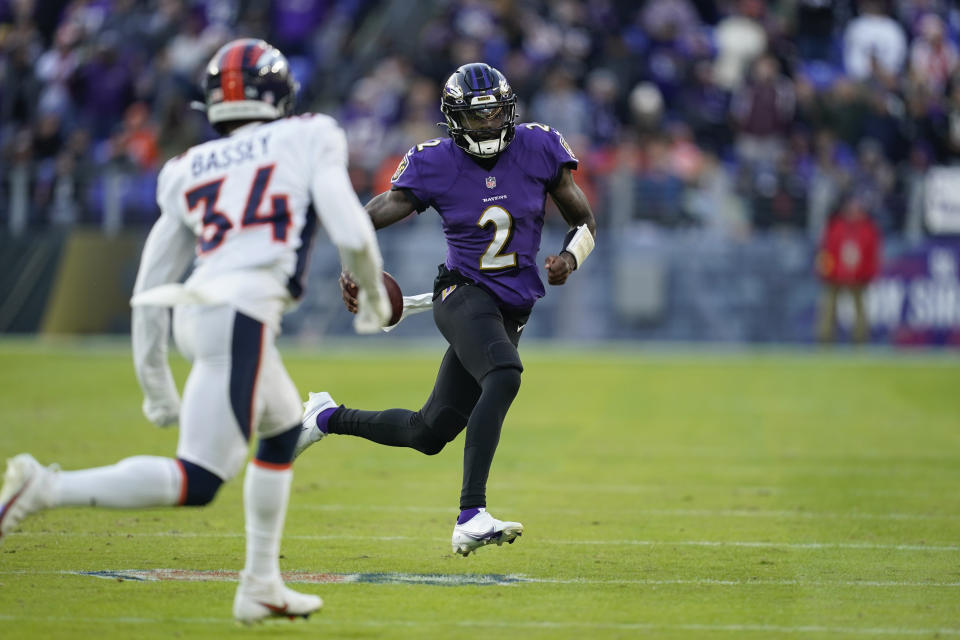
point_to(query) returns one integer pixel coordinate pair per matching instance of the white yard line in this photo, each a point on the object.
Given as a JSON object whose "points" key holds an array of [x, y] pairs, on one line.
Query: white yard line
{"points": [[687, 489], [760, 544], [706, 513], [749, 583], [502, 624]]}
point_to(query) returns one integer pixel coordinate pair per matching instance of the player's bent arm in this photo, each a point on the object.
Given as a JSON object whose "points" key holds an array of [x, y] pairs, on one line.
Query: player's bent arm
{"points": [[389, 207], [166, 255], [575, 209], [572, 202]]}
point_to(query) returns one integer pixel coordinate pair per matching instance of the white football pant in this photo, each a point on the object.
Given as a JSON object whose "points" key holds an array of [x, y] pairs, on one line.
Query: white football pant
{"points": [[237, 384]]}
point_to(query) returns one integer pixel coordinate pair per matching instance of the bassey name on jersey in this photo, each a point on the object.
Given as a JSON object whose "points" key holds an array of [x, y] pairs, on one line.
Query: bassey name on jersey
{"points": [[240, 151]]}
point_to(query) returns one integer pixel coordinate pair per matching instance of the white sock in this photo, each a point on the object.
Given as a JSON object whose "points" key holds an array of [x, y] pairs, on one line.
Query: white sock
{"points": [[266, 492], [140, 481]]}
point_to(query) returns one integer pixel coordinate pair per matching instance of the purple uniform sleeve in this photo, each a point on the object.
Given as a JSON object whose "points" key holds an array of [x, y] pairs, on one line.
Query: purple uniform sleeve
{"points": [[548, 151], [424, 172]]}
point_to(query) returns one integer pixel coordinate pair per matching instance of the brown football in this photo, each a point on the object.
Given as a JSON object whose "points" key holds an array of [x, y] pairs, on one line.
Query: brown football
{"points": [[396, 298]]}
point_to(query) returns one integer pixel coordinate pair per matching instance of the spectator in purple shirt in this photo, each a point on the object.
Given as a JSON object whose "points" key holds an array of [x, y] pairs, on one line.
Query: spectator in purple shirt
{"points": [[106, 87]]}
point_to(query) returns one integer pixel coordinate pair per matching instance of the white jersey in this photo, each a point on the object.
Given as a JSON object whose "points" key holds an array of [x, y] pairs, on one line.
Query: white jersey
{"points": [[243, 207], [246, 202]]}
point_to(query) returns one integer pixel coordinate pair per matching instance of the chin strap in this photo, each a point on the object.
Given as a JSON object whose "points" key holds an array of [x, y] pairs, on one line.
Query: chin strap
{"points": [[579, 243]]}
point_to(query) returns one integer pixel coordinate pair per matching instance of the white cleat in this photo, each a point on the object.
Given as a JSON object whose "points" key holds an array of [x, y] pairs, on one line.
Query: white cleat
{"points": [[258, 599], [27, 488], [483, 529], [309, 431]]}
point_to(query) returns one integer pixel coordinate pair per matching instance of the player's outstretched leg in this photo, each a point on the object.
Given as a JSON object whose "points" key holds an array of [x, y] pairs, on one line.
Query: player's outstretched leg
{"points": [[476, 528], [28, 487], [316, 411], [427, 430], [131, 483]]}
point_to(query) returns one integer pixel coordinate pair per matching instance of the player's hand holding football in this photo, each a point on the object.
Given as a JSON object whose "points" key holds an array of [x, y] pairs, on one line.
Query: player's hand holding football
{"points": [[559, 268], [371, 305], [349, 291], [376, 309]]}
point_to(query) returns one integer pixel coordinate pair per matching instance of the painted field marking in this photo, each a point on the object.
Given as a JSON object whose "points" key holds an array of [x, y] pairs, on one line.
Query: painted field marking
{"points": [[707, 513], [502, 624], [462, 579], [866, 546], [222, 575], [759, 545], [692, 489]]}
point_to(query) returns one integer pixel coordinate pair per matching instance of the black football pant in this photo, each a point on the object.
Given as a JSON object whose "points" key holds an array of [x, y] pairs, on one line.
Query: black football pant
{"points": [[478, 379]]}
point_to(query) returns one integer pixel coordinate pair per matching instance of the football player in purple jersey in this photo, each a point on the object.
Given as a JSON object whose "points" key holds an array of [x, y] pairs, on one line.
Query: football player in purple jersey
{"points": [[489, 182]]}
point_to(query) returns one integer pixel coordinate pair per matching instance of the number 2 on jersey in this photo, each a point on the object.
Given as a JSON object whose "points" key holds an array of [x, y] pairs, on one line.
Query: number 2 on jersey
{"points": [[216, 224], [502, 223]]}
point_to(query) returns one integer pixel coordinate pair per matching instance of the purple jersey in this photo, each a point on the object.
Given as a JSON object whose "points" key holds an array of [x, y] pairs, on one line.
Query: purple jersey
{"points": [[492, 219]]}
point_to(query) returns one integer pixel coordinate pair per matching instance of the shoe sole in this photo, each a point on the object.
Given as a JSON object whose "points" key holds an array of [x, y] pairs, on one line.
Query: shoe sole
{"points": [[9, 502], [508, 535], [275, 617], [5, 510], [274, 613]]}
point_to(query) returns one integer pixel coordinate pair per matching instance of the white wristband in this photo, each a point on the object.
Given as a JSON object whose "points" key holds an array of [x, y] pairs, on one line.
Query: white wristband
{"points": [[580, 244]]}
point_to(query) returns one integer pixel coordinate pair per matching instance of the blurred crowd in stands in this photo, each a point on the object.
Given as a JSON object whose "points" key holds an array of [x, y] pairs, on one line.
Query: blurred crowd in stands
{"points": [[730, 116]]}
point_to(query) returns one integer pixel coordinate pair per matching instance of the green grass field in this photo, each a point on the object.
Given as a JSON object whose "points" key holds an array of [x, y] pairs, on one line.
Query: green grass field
{"points": [[665, 495]]}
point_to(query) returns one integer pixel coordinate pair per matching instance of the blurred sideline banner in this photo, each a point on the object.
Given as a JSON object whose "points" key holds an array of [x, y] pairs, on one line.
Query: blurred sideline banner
{"points": [[28, 267], [943, 200], [916, 299], [93, 283], [643, 283]]}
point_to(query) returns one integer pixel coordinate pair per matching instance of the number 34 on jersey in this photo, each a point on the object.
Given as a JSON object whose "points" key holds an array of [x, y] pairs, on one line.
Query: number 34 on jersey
{"points": [[217, 224]]}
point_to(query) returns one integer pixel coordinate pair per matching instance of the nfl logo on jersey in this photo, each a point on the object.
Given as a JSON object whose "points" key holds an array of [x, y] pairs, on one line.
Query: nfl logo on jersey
{"points": [[491, 182]]}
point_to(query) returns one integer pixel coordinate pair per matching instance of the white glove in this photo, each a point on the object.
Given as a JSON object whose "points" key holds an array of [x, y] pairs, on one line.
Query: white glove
{"points": [[373, 312], [163, 413]]}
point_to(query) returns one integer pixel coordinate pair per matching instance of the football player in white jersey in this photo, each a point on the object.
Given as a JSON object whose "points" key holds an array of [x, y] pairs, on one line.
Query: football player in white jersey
{"points": [[242, 205]]}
